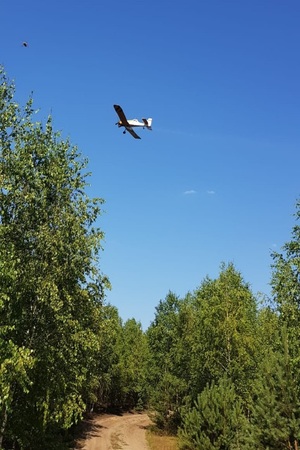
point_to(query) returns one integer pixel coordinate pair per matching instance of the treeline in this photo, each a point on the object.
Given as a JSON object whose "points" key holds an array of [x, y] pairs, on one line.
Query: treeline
{"points": [[224, 372], [217, 367]]}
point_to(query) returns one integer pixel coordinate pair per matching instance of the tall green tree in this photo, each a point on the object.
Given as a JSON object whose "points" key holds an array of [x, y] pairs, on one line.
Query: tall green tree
{"points": [[224, 338], [106, 390], [286, 290], [167, 386], [286, 296], [133, 355], [276, 407], [51, 289]]}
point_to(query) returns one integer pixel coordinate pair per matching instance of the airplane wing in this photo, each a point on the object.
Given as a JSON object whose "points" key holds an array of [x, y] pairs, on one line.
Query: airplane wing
{"points": [[121, 114], [133, 133]]}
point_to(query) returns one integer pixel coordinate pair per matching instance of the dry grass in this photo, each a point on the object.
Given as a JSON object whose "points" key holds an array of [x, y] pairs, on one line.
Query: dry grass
{"points": [[158, 442]]}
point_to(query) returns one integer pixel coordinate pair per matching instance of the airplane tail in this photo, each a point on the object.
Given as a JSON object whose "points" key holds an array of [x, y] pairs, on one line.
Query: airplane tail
{"points": [[148, 123]]}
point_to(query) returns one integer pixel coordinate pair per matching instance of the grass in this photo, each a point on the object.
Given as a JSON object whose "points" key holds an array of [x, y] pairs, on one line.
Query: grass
{"points": [[161, 442]]}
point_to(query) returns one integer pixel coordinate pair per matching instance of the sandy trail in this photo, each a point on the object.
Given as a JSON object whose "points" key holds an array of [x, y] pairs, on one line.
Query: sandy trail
{"points": [[110, 432]]}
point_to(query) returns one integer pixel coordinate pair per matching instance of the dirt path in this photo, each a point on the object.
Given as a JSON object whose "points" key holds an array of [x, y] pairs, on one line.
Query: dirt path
{"points": [[109, 432]]}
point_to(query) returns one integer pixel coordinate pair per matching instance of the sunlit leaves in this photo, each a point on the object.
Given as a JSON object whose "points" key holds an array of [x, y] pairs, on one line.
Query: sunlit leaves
{"points": [[224, 337], [51, 287]]}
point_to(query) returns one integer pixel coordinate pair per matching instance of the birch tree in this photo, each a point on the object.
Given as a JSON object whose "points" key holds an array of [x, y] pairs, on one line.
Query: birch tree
{"points": [[51, 288]]}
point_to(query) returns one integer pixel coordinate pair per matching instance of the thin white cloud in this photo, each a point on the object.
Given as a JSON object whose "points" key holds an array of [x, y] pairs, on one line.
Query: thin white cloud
{"points": [[210, 192], [190, 192]]}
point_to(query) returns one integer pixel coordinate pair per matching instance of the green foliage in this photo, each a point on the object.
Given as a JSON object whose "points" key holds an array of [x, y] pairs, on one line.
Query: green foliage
{"points": [[286, 290], [51, 288], [280, 383], [133, 353], [225, 331], [166, 367], [121, 364], [202, 338], [105, 391], [276, 406], [217, 421]]}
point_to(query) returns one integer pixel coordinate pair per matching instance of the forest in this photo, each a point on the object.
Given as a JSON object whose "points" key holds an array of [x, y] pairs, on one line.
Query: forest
{"points": [[219, 368]]}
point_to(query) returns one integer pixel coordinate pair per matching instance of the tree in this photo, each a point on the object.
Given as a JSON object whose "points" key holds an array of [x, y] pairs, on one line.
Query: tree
{"points": [[276, 406], [224, 337], [51, 287], [106, 389], [216, 421], [286, 296], [286, 290], [16, 362], [165, 374], [133, 354], [208, 335]]}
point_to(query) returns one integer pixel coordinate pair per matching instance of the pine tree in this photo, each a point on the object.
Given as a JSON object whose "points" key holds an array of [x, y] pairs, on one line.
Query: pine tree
{"points": [[276, 406], [216, 421]]}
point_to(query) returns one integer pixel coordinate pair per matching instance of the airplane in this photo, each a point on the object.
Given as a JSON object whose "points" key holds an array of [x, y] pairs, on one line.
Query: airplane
{"points": [[129, 124]]}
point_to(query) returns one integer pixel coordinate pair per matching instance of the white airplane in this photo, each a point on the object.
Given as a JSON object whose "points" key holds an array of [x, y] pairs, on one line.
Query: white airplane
{"points": [[129, 124]]}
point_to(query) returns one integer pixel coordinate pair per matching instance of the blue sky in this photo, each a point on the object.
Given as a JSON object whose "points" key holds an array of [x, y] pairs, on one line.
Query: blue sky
{"points": [[218, 177]]}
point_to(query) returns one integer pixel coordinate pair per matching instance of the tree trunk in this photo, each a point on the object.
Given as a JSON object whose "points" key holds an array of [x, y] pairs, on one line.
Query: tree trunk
{"points": [[3, 426]]}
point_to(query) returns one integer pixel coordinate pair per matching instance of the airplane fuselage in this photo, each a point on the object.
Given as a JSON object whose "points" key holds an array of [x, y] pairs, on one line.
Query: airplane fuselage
{"points": [[132, 123]]}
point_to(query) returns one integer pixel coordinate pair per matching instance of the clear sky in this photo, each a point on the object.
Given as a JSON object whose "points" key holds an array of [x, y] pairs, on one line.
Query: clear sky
{"points": [[218, 177]]}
